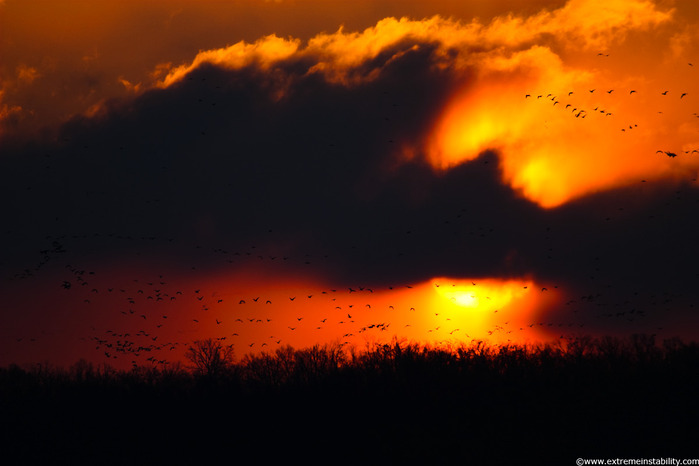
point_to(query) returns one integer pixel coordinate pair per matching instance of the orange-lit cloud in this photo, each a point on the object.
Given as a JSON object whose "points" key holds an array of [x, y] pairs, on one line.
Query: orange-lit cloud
{"points": [[26, 74], [564, 141], [262, 53], [9, 114], [559, 131], [339, 54]]}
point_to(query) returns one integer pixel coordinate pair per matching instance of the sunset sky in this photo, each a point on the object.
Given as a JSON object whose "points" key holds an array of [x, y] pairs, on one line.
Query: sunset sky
{"points": [[301, 172]]}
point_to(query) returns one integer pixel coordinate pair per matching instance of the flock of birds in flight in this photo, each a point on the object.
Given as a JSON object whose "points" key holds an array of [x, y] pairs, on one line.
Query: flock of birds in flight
{"points": [[603, 110]]}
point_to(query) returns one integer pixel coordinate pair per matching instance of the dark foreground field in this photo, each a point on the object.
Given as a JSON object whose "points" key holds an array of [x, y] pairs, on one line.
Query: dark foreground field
{"points": [[393, 404]]}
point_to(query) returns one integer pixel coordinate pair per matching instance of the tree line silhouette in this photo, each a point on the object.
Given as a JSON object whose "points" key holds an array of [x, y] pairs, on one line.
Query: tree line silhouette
{"points": [[394, 403]]}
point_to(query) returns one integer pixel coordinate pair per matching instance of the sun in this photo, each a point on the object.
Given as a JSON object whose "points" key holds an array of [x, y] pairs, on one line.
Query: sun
{"points": [[463, 298], [481, 295]]}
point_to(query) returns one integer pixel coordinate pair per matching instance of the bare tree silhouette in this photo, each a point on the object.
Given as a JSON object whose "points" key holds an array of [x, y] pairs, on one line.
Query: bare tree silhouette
{"points": [[210, 358]]}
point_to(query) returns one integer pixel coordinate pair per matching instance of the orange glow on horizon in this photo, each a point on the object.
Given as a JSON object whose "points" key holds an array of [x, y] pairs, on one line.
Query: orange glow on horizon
{"points": [[259, 310], [260, 315]]}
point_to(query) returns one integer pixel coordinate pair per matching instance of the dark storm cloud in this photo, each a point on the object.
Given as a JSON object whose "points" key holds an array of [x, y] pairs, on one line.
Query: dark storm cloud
{"points": [[218, 160]]}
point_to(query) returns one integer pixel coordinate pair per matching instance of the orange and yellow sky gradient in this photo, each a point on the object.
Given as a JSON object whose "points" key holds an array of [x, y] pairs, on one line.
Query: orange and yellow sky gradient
{"points": [[305, 172]]}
